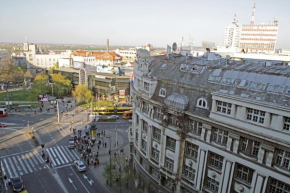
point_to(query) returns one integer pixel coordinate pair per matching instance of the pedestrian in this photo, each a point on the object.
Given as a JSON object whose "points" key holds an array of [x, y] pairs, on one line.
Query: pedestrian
{"points": [[105, 144], [95, 164], [109, 152], [97, 153], [98, 147], [88, 162]]}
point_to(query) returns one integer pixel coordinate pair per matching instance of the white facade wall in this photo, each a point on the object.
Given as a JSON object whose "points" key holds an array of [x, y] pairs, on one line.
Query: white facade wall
{"points": [[232, 35], [259, 38]]}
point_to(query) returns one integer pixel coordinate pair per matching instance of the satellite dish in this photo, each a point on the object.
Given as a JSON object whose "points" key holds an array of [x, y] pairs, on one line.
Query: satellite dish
{"points": [[174, 47]]}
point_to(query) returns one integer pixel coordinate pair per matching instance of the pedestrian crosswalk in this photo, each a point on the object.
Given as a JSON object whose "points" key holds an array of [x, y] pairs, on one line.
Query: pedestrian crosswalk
{"points": [[31, 161]]}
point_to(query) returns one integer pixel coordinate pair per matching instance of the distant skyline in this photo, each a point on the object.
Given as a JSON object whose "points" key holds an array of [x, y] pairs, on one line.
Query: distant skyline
{"points": [[134, 22]]}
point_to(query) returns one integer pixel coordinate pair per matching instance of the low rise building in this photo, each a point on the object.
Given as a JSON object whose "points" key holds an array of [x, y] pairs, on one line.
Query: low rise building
{"points": [[210, 125]]}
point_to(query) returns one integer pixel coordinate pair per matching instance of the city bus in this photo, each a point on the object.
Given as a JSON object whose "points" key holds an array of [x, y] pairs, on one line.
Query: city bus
{"points": [[128, 114], [3, 112], [111, 110]]}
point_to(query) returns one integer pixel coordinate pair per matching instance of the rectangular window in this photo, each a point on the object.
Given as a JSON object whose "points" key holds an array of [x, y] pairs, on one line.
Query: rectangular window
{"points": [[283, 159], [145, 107], [158, 113], [136, 138], [212, 185], [188, 172], [145, 127], [220, 136], [255, 115], [146, 86], [169, 163], [286, 126], [156, 134], [196, 127], [224, 107], [155, 154], [191, 150], [276, 186], [170, 143], [144, 146], [244, 173], [255, 148], [137, 120], [244, 144], [216, 161]]}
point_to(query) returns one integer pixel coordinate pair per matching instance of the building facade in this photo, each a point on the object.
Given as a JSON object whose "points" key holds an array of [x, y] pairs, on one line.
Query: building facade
{"points": [[215, 126], [232, 35], [259, 38]]}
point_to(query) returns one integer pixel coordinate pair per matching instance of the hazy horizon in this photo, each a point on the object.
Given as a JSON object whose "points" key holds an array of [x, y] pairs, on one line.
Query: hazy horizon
{"points": [[134, 23]]}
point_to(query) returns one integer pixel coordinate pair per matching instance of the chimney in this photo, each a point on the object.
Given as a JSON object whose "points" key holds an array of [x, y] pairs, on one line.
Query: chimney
{"points": [[107, 45]]}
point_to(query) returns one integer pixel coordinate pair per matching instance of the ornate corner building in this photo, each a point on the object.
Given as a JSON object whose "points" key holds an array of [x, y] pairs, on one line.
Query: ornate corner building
{"points": [[209, 125]]}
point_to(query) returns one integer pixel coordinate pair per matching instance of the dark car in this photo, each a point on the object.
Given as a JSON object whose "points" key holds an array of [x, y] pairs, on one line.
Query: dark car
{"points": [[17, 184]]}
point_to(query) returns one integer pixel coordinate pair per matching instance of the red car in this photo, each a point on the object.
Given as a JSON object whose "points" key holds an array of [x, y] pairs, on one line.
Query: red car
{"points": [[3, 125]]}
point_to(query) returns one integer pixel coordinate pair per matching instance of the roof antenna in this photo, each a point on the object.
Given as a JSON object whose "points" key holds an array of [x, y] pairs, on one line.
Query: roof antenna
{"points": [[253, 15], [235, 16]]}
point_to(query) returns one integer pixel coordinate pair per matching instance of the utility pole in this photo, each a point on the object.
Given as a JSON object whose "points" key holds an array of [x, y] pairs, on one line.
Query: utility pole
{"points": [[52, 89], [116, 138], [110, 160], [98, 97], [58, 116]]}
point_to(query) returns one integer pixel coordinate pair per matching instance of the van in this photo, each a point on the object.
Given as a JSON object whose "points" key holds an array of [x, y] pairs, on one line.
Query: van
{"points": [[71, 144]]}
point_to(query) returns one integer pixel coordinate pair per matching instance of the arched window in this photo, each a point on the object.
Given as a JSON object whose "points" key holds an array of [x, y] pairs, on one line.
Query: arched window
{"points": [[162, 92], [202, 103]]}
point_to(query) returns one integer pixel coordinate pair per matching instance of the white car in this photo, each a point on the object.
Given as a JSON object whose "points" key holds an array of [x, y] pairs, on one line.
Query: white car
{"points": [[113, 117], [80, 166]]}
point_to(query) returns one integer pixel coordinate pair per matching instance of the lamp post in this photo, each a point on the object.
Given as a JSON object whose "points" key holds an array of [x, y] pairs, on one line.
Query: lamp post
{"points": [[110, 161]]}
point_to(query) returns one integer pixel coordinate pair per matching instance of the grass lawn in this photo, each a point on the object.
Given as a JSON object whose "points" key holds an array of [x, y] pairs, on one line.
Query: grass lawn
{"points": [[18, 95], [102, 104]]}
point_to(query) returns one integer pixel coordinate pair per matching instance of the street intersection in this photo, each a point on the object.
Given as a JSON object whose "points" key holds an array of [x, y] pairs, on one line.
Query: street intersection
{"points": [[21, 157]]}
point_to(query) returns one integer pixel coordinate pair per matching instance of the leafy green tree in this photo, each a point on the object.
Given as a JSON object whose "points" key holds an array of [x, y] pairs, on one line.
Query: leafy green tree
{"points": [[82, 94], [39, 86], [61, 84]]}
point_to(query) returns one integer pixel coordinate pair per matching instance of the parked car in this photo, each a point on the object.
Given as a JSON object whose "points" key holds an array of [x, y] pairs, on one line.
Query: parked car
{"points": [[3, 125], [80, 166], [17, 184]]}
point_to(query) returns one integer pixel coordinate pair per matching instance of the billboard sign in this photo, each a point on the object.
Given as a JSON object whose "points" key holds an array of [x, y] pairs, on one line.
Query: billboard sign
{"points": [[122, 92], [42, 97]]}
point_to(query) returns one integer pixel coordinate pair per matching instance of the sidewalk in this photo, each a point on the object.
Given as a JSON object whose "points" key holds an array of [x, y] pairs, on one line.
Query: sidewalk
{"points": [[104, 156]]}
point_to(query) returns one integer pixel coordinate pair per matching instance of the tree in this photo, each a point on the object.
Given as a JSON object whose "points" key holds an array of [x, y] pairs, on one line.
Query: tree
{"points": [[10, 74], [61, 84], [82, 94], [39, 86], [118, 170]]}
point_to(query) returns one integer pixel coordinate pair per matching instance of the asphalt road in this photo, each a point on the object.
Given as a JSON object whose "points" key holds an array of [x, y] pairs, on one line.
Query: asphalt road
{"points": [[20, 156]]}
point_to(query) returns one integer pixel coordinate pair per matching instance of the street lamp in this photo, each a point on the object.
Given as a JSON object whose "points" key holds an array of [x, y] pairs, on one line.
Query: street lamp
{"points": [[110, 161]]}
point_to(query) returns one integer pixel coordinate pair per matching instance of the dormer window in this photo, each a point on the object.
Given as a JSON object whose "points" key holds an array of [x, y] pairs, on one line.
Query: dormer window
{"points": [[162, 92], [202, 103]]}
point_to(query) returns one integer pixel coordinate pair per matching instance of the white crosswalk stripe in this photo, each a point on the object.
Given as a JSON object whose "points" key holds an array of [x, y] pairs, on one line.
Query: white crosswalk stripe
{"points": [[21, 163], [65, 159], [58, 156], [17, 165], [66, 153], [12, 166], [29, 162]]}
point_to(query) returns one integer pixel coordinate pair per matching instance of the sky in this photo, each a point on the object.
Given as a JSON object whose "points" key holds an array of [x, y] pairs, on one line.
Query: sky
{"points": [[134, 22]]}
